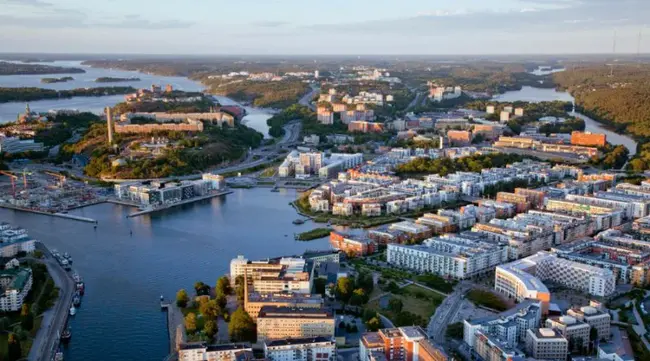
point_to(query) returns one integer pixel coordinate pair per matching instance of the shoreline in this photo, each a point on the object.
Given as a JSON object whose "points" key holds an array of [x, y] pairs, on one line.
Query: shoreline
{"points": [[57, 214], [188, 201]]}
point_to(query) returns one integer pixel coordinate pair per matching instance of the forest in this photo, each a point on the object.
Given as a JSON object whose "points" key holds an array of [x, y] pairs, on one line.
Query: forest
{"points": [[7, 68], [28, 94], [445, 166], [274, 94]]}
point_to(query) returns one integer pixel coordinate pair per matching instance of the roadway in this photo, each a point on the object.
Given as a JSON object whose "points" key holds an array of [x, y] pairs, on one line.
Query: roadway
{"points": [[446, 312], [306, 99], [46, 341]]}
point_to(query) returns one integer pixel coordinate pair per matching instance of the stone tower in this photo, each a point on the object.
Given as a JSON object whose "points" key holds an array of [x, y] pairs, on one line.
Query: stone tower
{"points": [[109, 124]]}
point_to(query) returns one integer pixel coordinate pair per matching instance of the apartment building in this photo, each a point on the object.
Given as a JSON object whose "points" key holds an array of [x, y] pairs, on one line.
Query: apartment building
{"points": [[631, 206], [15, 285], [508, 327], [520, 201], [353, 245], [459, 137], [530, 143], [219, 117], [399, 344], [546, 344], [448, 256], [603, 217], [201, 351], [16, 145], [576, 332], [325, 116], [524, 278], [255, 301], [588, 139], [301, 349], [595, 316], [364, 126], [278, 323]]}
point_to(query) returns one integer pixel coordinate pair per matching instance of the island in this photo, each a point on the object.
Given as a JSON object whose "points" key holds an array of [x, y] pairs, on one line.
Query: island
{"points": [[108, 79], [56, 80], [7, 68], [27, 94]]}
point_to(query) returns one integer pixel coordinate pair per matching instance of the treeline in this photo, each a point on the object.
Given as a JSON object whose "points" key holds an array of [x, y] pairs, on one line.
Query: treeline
{"points": [[108, 79], [56, 80], [272, 94], [310, 124], [445, 166], [7, 68], [63, 127], [27, 94]]}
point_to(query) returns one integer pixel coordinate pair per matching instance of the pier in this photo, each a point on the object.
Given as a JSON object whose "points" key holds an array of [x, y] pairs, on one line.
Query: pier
{"points": [[60, 215], [187, 201], [175, 326]]}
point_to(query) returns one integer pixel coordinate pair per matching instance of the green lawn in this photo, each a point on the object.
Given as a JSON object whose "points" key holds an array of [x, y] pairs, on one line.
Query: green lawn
{"points": [[416, 300]]}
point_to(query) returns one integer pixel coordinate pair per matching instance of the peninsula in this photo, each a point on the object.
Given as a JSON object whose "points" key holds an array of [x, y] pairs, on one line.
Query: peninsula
{"points": [[56, 80], [26, 94], [7, 68], [108, 79]]}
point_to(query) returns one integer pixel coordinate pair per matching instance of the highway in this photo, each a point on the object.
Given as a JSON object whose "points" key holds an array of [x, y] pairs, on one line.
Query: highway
{"points": [[46, 341]]}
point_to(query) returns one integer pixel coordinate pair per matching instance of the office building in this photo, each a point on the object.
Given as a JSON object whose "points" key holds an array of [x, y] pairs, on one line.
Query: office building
{"points": [[201, 351], [301, 349], [278, 323], [256, 301], [546, 344]]}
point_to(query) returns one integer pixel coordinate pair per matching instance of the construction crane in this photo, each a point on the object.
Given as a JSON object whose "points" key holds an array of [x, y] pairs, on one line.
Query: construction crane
{"points": [[61, 177], [13, 178]]}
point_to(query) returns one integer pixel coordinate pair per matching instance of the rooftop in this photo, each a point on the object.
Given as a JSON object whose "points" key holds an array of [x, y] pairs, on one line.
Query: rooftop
{"points": [[298, 341]]}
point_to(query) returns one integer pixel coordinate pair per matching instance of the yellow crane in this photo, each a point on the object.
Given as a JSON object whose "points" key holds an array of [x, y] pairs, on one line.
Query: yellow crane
{"points": [[59, 176], [13, 178]]}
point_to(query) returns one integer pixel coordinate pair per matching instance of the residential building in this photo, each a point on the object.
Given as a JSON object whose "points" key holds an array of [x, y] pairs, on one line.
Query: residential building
{"points": [[449, 256], [237, 267], [201, 351], [546, 344], [16, 284], [255, 301], [576, 332], [325, 116], [352, 245], [618, 348], [519, 112], [504, 116], [595, 317], [277, 323], [365, 126], [217, 117], [301, 349], [459, 137], [524, 278], [399, 344]]}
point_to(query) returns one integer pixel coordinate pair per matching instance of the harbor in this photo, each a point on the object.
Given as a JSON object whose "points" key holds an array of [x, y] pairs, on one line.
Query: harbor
{"points": [[180, 203]]}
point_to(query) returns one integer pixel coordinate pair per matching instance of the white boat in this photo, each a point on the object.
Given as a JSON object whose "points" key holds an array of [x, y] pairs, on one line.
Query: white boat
{"points": [[73, 311]]}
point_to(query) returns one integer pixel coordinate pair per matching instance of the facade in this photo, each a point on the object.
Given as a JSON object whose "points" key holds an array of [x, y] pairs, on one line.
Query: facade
{"points": [[301, 349], [277, 323], [355, 245], [588, 139], [576, 332], [399, 344], [200, 351], [218, 117], [595, 317], [449, 256], [530, 143], [16, 284], [524, 278], [546, 344], [256, 301], [155, 193], [189, 126], [459, 137], [365, 127], [16, 145]]}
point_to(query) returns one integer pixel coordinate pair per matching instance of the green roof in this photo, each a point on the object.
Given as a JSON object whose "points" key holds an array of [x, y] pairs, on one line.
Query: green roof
{"points": [[19, 275]]}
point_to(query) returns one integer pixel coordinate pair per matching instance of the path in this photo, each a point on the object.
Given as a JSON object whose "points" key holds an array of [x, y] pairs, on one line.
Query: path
{"points": [[446, 312], [640, 328]]}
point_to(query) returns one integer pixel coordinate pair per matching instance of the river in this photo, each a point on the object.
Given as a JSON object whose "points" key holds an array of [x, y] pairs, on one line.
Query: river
{"points": [[255, 118], [531, 94], [120, 318]]}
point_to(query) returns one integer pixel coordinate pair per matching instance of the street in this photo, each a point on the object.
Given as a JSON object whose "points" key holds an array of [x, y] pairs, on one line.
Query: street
{"points": [[445, 313], [47, 339]]}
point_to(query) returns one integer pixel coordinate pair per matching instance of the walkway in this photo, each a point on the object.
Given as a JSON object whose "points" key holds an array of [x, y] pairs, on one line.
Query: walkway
{"points": [[640, 328]]}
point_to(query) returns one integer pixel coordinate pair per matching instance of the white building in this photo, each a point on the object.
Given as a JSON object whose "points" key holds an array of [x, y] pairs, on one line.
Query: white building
{"points": [[200, 351], [16, 284], [301, 349], [238, 267], [16, 145], [448, 256]]}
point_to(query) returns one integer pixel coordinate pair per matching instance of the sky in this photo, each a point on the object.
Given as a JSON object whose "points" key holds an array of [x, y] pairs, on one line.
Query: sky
{"points": [[310, 27]]}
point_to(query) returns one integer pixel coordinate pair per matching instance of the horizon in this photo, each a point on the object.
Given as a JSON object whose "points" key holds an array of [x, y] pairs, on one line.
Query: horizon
{"points": [[359, 28]]}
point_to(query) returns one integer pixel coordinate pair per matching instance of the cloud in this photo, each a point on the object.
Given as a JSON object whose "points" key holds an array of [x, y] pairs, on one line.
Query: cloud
{"points": [[270, 24], [26, 2]]}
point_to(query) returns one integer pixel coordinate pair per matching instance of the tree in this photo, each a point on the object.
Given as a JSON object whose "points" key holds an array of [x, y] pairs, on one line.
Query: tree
{"points": [[344, 288], [241, 327], [27, 321], [190, 322], [239, 289], [201, 289], [222, 303], [182, 298], [24, 310], [210, 328], [209, 309], [4, 324], [373, 324], [14, 352], [223, 286], [396, 305]]}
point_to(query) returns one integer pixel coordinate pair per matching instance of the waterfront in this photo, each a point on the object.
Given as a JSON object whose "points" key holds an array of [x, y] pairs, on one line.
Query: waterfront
{"points": [[534, 95], [255, 118], [125, 274]]}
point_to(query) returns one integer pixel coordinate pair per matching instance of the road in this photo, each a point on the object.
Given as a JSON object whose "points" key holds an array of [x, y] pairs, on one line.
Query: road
{"points": [[306, 99], [446, 312], [347, 354], [46, 341]]}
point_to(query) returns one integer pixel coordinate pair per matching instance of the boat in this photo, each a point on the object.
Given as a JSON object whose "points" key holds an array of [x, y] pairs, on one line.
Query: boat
{"points": [[81, 288], [67, 257], [58, 356], [66, 335], [76, 277], [73, 311], [298, 221], [162, 298], [76, 300]]}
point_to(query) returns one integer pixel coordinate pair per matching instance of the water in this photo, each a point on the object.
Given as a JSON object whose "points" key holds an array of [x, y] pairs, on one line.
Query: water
{"points": [[120, 318], [539, 71], [535, 95], [255, 118]]}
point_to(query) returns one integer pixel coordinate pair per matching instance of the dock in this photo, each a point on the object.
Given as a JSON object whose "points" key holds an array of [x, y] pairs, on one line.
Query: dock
{"points": [[175, 322], [60, 215], [187, 201]]}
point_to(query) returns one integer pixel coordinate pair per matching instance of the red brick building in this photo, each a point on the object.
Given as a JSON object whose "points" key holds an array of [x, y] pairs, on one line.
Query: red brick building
{"points": [[459, 137], [352, 245]]}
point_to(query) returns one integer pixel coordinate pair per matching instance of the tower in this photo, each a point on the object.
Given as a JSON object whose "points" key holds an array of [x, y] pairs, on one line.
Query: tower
{"points": [[109, 124], [27, 110]]}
